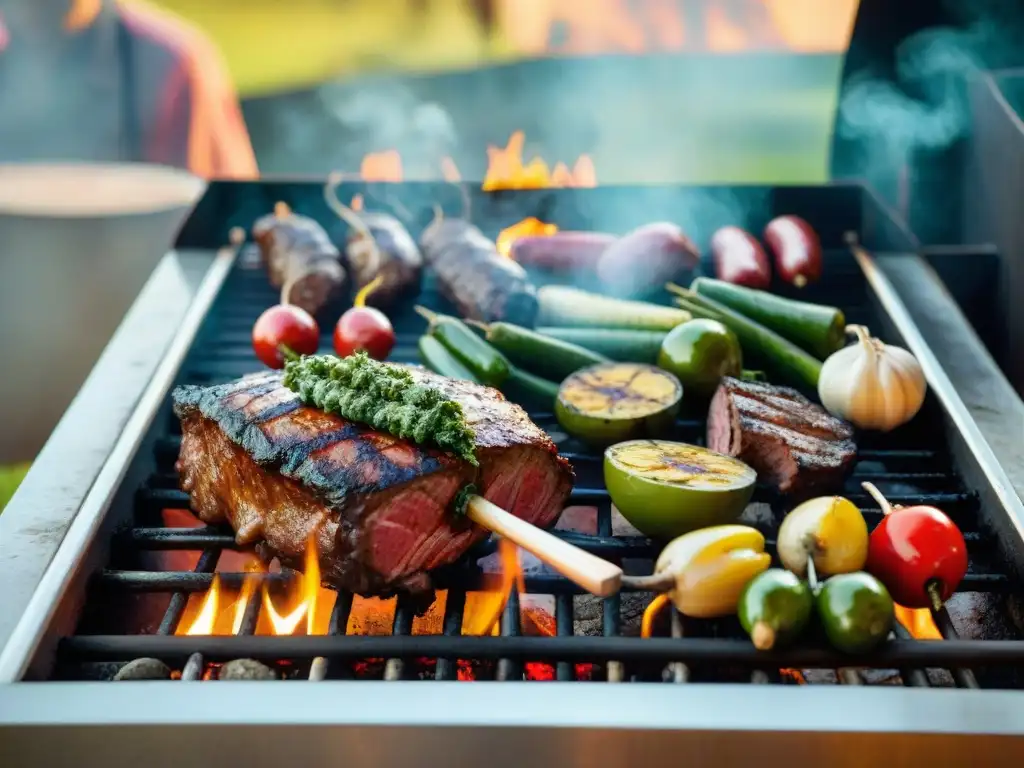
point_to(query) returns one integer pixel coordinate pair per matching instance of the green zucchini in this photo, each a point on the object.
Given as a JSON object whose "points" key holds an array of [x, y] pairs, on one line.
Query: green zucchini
{"points": [[564, 306], [543, 355], [818, 329], [787, 359], [619, 344], [530, 391], [436, 357], [487, 364]]}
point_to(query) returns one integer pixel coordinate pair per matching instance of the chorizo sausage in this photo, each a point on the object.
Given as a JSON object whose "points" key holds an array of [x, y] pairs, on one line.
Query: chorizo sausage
{"points": [[300, 259], [740, 259], [481, 283], [378, 244], [796, 248], [646, 258], [561, 251]]}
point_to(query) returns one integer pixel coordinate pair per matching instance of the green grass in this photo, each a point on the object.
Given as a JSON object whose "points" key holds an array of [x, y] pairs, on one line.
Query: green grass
{"points": [[10, 479]]}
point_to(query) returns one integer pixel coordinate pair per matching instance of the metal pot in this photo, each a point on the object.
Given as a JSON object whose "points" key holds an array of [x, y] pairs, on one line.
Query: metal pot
{"points": [[77, 242]]}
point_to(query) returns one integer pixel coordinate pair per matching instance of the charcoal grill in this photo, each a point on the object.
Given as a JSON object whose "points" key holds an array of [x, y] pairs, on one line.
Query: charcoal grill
{"points": [[694, 687]]}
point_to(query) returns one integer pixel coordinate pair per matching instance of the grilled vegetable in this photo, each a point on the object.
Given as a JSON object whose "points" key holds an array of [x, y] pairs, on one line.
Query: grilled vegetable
{"points": [[382, 396], [379, 247], [538, 353], [775, 608], [856, 611], [740, 259], [606, 403], [871, 384], [485, 362], [438, 359], [917, 552], [705, 572], [528, 390], [829, 529], [482, 283], [818, 329], [563, 306], [796, 249], [699, 353], [364, 328], [561, 251], [645, 258], [667, 489], [613, 343], [282, 331], [786, 358], [300, 259]]}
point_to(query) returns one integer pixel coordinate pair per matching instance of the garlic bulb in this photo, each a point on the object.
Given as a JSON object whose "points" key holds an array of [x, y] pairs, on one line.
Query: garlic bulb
{"points": [[872, 385]]}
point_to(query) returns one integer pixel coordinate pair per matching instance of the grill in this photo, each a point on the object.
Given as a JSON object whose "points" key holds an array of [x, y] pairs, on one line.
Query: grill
{"points": [[94, 609]]}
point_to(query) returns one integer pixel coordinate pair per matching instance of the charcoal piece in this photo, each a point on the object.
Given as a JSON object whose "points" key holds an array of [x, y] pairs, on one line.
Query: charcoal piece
{"points": [[246, 669], [144, 669]]}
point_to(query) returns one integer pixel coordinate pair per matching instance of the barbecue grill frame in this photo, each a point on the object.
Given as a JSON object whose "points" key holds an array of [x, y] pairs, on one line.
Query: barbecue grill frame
{"points": [[697, 710]]}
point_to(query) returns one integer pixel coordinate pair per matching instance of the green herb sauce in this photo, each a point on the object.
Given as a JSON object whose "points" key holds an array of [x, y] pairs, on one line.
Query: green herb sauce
{"points": [[383, 396]]}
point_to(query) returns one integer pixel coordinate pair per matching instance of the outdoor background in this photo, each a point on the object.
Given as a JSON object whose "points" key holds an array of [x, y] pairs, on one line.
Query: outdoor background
{"points": [[681, 91]]}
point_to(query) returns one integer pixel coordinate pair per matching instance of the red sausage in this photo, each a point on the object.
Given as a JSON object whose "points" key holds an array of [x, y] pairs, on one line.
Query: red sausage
{"points": [[740, 259], [646, 258], [561, 250], [796, 248]]}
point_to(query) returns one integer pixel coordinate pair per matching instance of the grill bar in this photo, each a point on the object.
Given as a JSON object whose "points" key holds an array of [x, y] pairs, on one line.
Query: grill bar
{"points": [[892, 655], [172, 581]]}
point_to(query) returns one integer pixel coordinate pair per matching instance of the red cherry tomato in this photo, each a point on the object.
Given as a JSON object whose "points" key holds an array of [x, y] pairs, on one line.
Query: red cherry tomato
{"points": [[364, 328], [914, 546], [284, 326]]}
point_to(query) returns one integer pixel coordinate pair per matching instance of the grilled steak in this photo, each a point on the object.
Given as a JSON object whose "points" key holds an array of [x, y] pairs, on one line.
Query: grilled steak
{"points": [[790, 441], [379, 507]]}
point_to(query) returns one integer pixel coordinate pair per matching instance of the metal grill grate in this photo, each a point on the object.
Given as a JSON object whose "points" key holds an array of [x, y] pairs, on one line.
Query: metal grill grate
{"points": [[910, 467]]}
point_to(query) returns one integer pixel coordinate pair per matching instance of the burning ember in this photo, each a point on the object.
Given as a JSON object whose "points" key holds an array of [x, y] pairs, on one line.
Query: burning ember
{"points": [[505, 169]]}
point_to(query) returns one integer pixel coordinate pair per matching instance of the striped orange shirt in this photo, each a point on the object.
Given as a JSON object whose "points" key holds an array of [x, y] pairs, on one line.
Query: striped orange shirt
{"points": [[178, 99]]}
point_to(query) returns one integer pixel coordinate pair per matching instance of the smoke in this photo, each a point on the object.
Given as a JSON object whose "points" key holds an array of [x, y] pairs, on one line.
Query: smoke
{"points": [[346, 120], [935, 63], [386, 115]]}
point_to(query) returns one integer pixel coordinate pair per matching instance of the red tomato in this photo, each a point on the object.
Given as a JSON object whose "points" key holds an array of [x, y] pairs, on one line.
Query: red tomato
{"points": [[284, 326], [913, 546], [364, 328]]}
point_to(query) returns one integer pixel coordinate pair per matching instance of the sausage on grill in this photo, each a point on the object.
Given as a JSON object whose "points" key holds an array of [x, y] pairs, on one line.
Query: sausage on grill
{"points": [[378, 244], [479, 281], [300, 259]]}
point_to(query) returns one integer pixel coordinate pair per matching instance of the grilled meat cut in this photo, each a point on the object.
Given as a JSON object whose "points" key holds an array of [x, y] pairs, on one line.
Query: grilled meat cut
{"points": [[790, 441], [378, 507]]}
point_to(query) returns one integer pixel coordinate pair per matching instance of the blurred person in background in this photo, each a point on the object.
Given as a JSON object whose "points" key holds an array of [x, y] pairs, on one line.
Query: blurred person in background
{"points": [[106, 81]]}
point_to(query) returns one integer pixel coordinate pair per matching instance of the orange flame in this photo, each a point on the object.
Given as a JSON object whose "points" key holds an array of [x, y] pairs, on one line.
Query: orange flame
{"points": [[382, 166], [450, 171], [505, 169], [307, 590], [525, 228], [482, 614], [206, 621]]}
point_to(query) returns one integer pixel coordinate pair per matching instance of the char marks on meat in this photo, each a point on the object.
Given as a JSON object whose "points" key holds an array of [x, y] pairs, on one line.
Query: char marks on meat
{"points": [[790, 441], [379, 507]]}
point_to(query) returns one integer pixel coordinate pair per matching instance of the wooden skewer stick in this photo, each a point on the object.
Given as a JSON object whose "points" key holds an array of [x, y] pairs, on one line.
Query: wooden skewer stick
{"points": [[594, 574]]}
